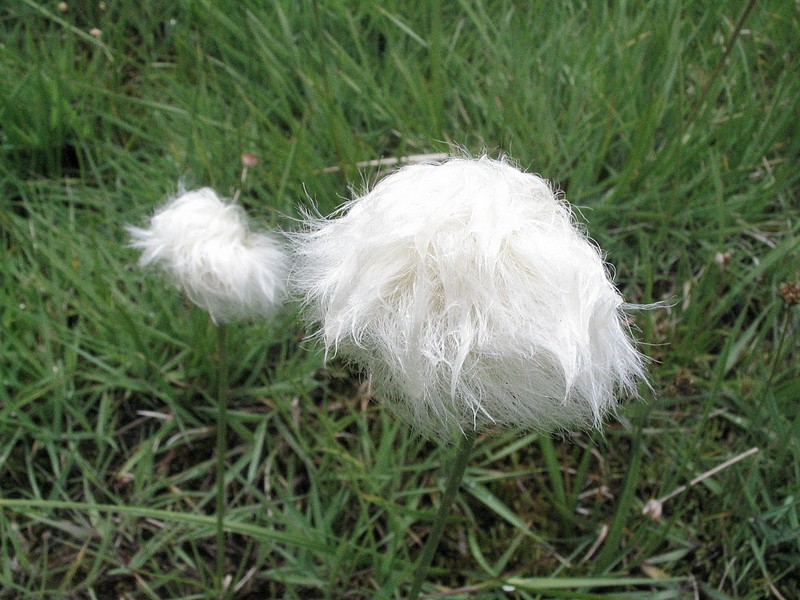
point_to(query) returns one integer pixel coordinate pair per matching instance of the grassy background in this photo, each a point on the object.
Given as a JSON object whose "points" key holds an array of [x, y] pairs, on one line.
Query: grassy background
{"points": [[683, 160]]}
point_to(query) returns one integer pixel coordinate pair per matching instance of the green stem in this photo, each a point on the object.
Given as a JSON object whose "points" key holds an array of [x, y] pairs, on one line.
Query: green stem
{"points": [[724, 58], [449, 496], [222, 442]]}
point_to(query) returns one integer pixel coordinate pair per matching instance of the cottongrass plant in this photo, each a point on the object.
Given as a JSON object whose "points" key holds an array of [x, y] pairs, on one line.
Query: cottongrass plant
{"points": [[471, 298], [205, 245]]}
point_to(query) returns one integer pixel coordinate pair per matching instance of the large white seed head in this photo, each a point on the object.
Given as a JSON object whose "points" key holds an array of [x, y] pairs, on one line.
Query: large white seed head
{"points": [[205, 245], [471, 298]]}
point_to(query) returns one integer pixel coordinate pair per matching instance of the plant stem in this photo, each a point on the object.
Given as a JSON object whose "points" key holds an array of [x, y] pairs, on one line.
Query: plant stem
{"points": [[451, 489], [222, 441], [723, 59]]}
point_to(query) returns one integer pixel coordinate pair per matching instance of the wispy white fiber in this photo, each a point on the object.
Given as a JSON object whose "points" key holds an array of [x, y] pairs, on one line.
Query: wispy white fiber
{"points": [[205, 245], [471, 298]]}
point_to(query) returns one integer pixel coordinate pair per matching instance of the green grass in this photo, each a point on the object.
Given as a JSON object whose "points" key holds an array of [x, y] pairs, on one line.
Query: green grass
{"points": [[684, 166]]}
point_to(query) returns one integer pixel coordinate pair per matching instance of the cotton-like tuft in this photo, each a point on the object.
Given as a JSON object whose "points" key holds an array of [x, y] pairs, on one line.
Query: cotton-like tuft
{"points": [[205, 245], [471, 298]]}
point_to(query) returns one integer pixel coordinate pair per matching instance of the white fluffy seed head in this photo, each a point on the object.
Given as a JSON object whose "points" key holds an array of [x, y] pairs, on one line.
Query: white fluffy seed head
{"points": [[471, 298], [205, 245]]}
